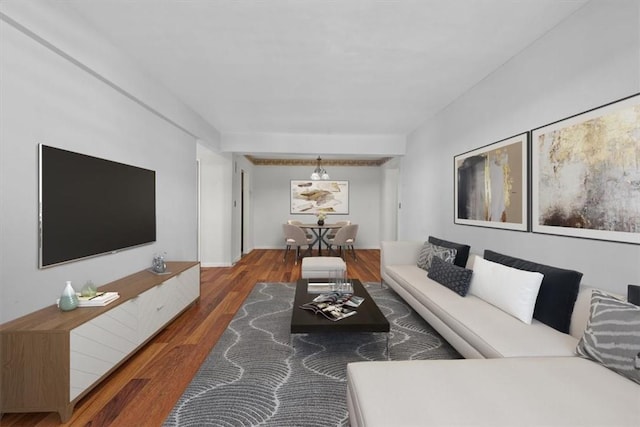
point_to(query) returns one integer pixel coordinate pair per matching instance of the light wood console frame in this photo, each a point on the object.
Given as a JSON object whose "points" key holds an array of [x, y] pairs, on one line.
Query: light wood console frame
{"points": [[50, 359]]}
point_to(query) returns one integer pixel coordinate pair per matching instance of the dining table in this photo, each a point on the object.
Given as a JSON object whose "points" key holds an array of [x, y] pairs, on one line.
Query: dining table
{"points": [[319, 233]]}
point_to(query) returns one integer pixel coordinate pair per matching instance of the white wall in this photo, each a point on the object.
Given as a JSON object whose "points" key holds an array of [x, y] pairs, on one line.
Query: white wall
{"points": [[389, 201], [424, 185], [271, 202], [55, 23], [215, 207], [47, 98], [590, 59]]}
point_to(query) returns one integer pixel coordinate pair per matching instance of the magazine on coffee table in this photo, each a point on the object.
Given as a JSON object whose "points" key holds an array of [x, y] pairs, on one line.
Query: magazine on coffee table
{"points": [[334, 305], [342, 298], [354, 301], [331, 311]]}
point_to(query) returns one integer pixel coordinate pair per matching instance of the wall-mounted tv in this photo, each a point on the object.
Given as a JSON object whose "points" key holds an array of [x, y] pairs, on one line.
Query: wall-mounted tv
{"points": [[91, 206]]}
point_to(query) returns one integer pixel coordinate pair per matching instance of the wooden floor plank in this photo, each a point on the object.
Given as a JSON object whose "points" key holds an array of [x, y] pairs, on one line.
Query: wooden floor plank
{"points": [[143, 390]]}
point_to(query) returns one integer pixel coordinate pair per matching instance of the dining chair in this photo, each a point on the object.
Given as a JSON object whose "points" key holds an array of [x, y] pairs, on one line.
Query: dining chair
{"points": [[295, 236], [351, 240], [299, 224], [332, 232], [344, 239]]}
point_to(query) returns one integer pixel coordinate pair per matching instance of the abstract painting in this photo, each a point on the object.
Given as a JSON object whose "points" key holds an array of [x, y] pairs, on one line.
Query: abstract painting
{"points": [[311, 197], [586, 174], [491, 185]]}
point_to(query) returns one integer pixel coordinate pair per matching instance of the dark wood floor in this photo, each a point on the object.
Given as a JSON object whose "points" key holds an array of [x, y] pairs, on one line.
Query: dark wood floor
{"points": [[143, 390]]}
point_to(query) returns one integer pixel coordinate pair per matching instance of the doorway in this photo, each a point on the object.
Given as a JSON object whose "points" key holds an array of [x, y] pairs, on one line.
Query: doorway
{"points": [[242, 213]]}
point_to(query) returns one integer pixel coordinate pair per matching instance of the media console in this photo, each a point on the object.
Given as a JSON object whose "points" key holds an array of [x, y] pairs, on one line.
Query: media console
{"points": [[51, 359]]}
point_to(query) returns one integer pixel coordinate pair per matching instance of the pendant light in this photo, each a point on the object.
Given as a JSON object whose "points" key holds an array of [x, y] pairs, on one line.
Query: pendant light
{"points": [[319, 173]]}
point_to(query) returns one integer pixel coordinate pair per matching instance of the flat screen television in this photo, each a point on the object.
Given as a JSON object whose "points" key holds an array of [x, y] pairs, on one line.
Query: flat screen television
{"points": [[91, 206]]}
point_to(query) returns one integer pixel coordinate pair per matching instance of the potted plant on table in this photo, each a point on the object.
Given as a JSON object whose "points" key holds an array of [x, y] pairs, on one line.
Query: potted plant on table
{"points": [[321, 217]]}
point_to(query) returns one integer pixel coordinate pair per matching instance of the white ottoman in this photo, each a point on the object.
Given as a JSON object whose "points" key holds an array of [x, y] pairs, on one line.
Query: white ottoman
{"points": [[323, 267]]}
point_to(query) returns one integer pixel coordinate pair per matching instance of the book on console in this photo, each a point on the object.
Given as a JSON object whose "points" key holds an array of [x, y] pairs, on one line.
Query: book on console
{"points": [[98, 300]]}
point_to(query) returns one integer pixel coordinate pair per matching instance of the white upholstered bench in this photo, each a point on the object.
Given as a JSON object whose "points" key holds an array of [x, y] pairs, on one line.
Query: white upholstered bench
{"points": [[323, 267]]}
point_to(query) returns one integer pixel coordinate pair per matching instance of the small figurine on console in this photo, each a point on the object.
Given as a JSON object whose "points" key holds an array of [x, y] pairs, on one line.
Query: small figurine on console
{"points": [[158, 265]]}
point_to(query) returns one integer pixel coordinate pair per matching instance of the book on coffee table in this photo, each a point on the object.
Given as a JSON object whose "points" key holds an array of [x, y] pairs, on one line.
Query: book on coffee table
{"points": [[354, 301], [342, 298], [331, 310]]}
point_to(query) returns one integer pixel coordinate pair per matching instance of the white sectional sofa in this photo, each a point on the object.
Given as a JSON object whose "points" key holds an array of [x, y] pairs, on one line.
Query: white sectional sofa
{"points": [[533, 376], [473, 327]]}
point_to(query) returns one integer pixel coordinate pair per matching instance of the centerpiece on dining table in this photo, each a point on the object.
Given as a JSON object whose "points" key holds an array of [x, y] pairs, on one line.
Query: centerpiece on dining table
{"points": [[321, 217]]}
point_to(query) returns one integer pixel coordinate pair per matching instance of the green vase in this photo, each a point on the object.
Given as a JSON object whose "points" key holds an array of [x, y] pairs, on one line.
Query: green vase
{"points": [[89, 289], [68, 299]]}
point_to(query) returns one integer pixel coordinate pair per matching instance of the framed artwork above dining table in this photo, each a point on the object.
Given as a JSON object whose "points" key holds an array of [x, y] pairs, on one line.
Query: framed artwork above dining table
{"points": [[312, 197]]}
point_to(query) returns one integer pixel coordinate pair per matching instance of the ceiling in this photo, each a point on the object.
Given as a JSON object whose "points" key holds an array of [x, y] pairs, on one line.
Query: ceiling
{"points": [[318, 66]]}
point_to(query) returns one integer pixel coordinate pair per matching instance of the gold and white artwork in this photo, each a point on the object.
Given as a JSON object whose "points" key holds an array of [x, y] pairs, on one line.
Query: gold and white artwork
{"points": [[587, 174], [312, 197]]}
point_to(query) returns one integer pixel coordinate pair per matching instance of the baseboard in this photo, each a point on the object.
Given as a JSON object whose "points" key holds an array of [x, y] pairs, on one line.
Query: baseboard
{"points": [[215, 264]]}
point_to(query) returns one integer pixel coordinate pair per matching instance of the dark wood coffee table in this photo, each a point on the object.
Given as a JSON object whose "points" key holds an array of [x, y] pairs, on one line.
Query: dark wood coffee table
{"points": [[368, 318]]}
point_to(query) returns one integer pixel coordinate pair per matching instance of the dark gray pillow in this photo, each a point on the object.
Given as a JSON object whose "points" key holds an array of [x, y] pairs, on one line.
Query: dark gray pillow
{"points": [[462, 251], [633, 294], [456, 278], [611, 337], [558, 291]]}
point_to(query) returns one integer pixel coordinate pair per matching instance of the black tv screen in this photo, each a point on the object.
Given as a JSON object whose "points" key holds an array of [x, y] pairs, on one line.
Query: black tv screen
{"points": [[91, 206]]}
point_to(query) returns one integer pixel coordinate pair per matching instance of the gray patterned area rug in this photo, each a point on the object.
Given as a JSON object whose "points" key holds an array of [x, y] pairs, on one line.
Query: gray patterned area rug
{"points": [[259, 374]]}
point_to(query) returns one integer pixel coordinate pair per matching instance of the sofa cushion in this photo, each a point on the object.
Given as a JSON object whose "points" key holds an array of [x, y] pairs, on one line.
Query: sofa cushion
{"points": [[493, 332], [562, 391], [462, 251], [512, 290], [633, 294], [557, 294], [451, 276], [612, 337], [429, 251]]}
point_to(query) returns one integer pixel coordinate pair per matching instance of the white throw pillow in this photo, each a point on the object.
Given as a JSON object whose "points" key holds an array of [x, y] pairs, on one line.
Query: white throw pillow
{"points": [[511, 290]]}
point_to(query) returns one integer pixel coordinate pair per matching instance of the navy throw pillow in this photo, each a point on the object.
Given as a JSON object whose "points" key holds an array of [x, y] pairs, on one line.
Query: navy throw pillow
{"points": [[462, 253], [633, 294], [558, 291], [456, 278]]}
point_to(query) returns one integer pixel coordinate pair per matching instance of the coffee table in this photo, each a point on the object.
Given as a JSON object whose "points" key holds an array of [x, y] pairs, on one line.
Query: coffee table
{"points": [[368, 318]]}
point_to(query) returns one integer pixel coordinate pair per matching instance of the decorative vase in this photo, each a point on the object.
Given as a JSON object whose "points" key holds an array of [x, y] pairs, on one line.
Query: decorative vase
{"points": [[68, 299], [321, 222], [89, 289], [158, 265]]}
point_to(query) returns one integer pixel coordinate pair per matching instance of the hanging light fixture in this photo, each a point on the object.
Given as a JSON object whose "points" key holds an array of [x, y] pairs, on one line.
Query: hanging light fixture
{"points": [[319, 172]]}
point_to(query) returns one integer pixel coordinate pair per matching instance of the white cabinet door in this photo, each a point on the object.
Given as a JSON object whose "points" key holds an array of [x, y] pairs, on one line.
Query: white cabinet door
{"points": [[150, 303], [100, 344], [163, 302], [180, 291], [189, 289], [172, 305]]}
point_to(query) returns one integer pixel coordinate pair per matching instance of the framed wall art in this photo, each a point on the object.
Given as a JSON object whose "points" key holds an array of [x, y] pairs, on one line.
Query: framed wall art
{"points": [[490, 188], [311, 197], [586, 174]]}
